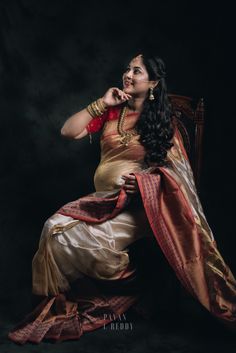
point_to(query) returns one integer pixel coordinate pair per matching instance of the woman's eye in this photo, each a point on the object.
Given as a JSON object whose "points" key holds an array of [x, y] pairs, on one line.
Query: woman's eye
{"points": [[136, 71]]}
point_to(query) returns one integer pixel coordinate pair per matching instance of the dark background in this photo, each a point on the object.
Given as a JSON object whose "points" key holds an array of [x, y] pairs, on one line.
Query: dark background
{"points": [[58, 56]]}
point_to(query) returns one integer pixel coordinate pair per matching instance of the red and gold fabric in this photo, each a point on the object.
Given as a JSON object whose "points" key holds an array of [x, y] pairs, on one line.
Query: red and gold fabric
{"points": [[175, 217]]}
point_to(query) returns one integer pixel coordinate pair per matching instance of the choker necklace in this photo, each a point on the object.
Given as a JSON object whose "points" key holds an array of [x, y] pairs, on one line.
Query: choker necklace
{"points": [[125, 136]]}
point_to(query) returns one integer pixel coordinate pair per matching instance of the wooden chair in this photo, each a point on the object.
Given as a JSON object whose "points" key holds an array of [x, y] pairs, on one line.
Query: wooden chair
{"points": [[190, 122]]}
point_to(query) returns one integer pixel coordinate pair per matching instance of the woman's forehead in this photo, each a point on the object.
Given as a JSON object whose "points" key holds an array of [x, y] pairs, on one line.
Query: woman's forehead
{"points": [[137, 61]]}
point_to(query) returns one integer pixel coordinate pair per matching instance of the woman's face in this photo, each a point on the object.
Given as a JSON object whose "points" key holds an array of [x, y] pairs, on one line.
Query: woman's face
{"points": [[135, 78]]}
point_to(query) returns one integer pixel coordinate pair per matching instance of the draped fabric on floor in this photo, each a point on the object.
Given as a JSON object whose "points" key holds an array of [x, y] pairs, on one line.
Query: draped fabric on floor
{"points": [[68, 316], [180, 228]]}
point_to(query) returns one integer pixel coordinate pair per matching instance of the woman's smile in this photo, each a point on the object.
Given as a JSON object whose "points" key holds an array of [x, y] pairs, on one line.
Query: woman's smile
{"points": [[127, 84]]}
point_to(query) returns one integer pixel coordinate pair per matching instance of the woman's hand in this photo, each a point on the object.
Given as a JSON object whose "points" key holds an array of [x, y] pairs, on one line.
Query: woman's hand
{"points": [[115, 96], [130, 185]]}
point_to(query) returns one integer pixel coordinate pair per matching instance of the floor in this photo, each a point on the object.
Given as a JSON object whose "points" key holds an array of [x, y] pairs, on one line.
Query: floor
{"points": [[188, 329]]}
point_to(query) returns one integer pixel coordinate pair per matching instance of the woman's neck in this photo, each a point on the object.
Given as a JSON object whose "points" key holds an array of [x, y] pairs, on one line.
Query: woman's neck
{"points": [[136, 104]]}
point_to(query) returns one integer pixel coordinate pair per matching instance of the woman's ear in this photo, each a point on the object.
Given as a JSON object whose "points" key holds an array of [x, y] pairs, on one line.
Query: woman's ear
{"points": [[155, 83]]}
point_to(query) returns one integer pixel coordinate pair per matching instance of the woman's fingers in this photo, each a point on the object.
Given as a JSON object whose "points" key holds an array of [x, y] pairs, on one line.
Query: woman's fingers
{"points": [[117, 93], [131, 192], [130, 189], [120, 94], [115, 96], [128, 178], [130, 185], [131, 182], [126, 96]]}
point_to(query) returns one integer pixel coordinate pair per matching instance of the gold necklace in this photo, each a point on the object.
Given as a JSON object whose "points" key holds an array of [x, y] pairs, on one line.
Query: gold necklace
{"points": [[125, 136]]}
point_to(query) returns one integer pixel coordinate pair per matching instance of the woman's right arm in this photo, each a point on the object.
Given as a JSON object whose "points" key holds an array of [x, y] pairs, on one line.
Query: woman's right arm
{"points": [[75, 126]]}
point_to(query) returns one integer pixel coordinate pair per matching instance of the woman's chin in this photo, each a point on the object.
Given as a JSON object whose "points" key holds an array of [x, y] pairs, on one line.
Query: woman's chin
{"points": [[127, 90]]}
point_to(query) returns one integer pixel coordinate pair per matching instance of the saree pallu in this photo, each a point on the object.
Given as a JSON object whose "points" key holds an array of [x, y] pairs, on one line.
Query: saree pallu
{"points": [[180, 228]]}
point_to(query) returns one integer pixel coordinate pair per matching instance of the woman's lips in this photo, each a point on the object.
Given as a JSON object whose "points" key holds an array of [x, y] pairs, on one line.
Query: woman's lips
{"points": [[126, 83]]}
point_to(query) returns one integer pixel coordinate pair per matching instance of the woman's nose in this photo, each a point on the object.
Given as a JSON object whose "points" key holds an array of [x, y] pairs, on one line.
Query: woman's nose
{"points": [[128, 75]]}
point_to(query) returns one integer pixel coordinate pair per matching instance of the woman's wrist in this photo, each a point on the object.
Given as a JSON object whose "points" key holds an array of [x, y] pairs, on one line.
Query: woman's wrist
{"points": [[97, 108], [104, 103]]}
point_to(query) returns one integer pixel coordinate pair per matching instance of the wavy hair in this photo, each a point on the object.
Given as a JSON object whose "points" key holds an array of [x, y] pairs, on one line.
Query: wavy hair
{"points": [[155, 123]]}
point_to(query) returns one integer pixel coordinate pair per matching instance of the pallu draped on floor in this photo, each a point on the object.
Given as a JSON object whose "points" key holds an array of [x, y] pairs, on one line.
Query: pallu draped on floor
{"points": [[180, 228]]}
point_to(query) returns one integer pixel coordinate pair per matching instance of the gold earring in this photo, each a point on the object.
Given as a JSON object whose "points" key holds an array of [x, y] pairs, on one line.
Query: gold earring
{"points": [[151, 96]]}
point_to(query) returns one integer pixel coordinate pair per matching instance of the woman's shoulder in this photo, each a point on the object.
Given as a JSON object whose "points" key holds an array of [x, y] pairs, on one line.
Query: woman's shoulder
{"points": [[113, 112]]}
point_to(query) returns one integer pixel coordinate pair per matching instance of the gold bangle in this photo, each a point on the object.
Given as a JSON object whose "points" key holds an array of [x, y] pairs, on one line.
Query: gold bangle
{"points": [[96, 108], [91, 111], [101, 105]]}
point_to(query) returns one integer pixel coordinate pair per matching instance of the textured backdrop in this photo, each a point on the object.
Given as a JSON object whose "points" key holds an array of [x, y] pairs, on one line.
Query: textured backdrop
{"points": [[55, 58]]}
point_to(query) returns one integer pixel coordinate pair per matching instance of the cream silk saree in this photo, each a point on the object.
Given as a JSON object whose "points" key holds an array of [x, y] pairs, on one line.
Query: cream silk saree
{"points": [[170, 211]]}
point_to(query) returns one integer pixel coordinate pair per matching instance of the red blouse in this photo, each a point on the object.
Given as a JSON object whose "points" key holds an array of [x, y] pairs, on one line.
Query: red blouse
{"points": [[98, 122]]}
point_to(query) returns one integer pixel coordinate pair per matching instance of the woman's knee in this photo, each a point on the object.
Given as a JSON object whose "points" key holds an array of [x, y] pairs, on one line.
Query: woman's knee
{"points": [[51, 222]]}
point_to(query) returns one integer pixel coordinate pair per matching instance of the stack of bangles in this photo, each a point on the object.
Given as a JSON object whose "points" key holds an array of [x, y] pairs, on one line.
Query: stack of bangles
{"points": [[97, 108]]}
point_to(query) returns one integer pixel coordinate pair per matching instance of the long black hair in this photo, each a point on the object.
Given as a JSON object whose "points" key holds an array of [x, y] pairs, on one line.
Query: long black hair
{"points": [[155, 123]]}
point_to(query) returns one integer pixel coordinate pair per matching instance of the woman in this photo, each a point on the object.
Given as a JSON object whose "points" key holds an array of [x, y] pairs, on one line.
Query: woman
{"points": [[144, 188], [99, 250]]}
